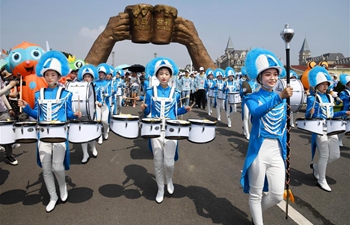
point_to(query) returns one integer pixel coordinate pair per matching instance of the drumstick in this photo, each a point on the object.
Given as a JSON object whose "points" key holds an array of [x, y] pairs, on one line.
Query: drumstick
{"points": [[20, 93], [184, 97], [193, 104]]}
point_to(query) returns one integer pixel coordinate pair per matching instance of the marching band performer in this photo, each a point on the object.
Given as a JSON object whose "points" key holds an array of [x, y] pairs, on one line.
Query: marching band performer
{"points": [[162, 102], [87, 73], [231, 86], [320, 105], [103, 92], [246, 83], [220, 86], [210, 89], [52, 157], [186, 84], [345, 97], [264, 168], [118, 87]]}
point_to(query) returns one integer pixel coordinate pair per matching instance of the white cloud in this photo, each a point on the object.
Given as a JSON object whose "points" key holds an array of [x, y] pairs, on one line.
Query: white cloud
{"points": [[91, 33]]}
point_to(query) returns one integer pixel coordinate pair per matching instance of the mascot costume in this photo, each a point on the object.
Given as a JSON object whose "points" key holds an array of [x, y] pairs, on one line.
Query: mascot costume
{"points": [[21, 61]]}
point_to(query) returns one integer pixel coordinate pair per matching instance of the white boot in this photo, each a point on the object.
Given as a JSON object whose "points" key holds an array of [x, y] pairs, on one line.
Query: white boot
{"points": [[50, 185], [228, 121], [93, 148], [51, 206], [324, 185], [340, 138], [84, 147], [159, 174], [100, 140], [169, 170], [315, 171]]}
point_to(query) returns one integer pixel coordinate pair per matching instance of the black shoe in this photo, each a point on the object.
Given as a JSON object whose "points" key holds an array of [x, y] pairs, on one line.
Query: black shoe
{"points": [[11, 160]]}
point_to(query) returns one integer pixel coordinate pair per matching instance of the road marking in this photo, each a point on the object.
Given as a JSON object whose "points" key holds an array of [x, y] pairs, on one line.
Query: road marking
{"points": [[293, 214]]}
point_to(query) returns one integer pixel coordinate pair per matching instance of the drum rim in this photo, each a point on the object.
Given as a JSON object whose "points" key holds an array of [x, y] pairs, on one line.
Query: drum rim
{"points": [[308, 119], [84, 122], [25, 124], [6, 122], [55, 124], [337, 119], [130, 118], [151, 120], [170, 122], [52, 138], [210, 123]]}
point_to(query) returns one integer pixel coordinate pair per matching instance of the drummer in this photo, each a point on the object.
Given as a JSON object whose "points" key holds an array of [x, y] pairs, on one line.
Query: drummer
{"points": [[209, 85], [52, 157], [231, 86], [186, 84], [161, 102], [220, 85], [320, 105], [118, 86], [103, 92], [292, 75], [344, 96], [87, 73]]}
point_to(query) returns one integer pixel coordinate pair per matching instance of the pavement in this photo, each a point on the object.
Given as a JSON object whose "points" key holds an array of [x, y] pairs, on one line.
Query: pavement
{"points": [[118, 187]]}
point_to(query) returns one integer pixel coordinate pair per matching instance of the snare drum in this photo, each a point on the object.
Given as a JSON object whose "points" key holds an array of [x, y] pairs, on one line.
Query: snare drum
{"points": [[297, 100], [84, 131], [221, 95], [335, 126], [211, 93], [347, 129], [233, 98], [7, 135], [85, 93], [25, 132], [124, 125], [312, 125], [52, 132], [150, 127], [177, 129], [201, 131]]}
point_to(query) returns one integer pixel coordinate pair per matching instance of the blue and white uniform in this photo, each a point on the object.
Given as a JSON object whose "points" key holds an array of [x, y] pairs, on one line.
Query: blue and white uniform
{"points": [[53, 104], [163, 103], [231, 86]]}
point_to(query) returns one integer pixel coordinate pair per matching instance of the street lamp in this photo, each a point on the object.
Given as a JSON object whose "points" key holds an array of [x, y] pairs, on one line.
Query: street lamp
{"points": [[287, 35]]}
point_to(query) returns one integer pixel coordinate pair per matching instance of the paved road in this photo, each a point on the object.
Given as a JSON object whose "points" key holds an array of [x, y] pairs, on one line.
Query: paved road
{"points": [[118, 187]]}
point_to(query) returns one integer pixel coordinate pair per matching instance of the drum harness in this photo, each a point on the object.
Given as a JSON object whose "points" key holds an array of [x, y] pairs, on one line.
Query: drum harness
{"points": [[163, 105], [50, 107], [326, 108]]}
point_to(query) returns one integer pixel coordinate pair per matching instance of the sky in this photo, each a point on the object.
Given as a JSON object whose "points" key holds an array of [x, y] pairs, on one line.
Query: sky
{"points": [[73, 25]]}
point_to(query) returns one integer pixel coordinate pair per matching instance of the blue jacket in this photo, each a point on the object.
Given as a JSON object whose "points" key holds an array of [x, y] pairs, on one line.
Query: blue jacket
{"points": [[263, 104], [64, 113]]}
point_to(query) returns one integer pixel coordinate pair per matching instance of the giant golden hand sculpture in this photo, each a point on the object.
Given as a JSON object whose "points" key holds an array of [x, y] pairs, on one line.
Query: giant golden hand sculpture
{"points": [[144, 23]]}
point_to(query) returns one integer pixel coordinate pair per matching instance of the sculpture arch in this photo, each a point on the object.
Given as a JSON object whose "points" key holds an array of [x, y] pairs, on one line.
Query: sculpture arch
{"points": [[144, 23]]}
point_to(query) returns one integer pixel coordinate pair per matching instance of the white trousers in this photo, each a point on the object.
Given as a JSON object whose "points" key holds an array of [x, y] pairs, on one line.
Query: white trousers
{"points": [[103, 116], [163, 155], [328, 147], [117, 104], [219, 105], [210, 103], [51, 158], [84, 147], [268, 163], [228, 111]]}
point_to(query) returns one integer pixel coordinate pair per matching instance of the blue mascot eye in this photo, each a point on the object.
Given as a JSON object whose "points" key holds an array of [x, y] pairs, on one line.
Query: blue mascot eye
{"points": [[16, 57], [36, 54]]}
